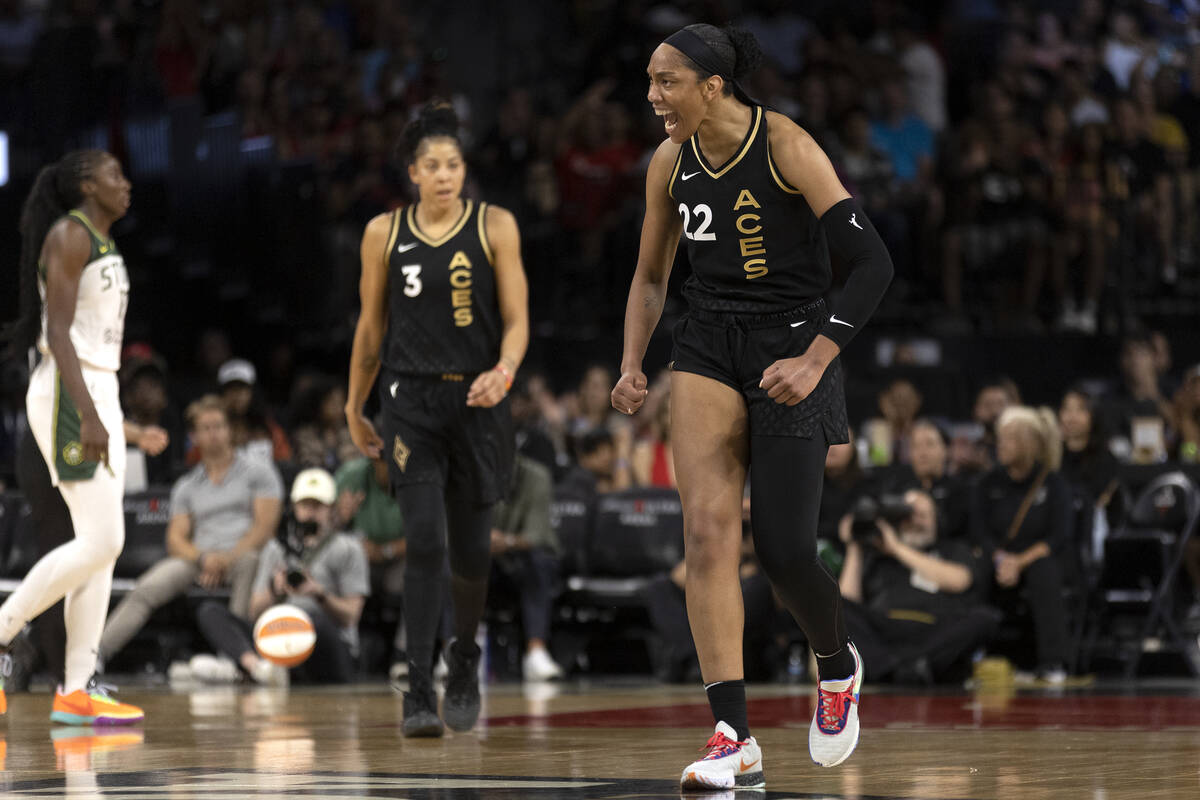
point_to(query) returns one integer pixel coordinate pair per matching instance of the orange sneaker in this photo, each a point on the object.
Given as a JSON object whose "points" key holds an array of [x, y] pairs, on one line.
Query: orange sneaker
{"points": [[92, 706]]}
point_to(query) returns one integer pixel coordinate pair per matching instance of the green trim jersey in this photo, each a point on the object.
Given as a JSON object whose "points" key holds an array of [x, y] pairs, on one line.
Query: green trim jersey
{"points": [[754, 244], [99, 322], [443, 311]]}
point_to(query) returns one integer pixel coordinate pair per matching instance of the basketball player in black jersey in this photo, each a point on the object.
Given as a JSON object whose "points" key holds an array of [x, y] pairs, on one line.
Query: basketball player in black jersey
{"points": [[755, 382], [444, 326]]}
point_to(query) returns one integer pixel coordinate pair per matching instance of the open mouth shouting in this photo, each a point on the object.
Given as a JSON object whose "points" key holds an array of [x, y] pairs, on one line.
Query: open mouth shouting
{"points": [[670, 119]]}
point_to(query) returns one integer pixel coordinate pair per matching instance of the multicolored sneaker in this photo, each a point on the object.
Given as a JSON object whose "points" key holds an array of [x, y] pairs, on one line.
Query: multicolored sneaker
{"points": [[727, 764], [92, 706], [5, 671], [833, 734]]}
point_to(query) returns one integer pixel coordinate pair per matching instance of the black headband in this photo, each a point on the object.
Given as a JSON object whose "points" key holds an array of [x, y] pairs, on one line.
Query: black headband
{"points": [[695, 48]]}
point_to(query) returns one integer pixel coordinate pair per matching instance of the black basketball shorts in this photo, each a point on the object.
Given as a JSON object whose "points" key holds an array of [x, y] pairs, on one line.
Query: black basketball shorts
{"points": [[431, 435], [735, 349]]}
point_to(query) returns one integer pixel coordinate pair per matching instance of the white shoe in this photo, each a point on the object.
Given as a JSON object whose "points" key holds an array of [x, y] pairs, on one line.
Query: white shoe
{"points": [[728, 763], [179, 673], [267, 674], [833, 734], [440, 670], [398, 672], [208, 668], [538, 666]]}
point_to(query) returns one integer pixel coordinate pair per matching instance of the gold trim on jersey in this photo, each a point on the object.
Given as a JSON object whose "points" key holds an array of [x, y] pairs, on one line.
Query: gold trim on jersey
{"points": [[483, 240], [106, 242], [733, 162], [448, 235], [393, 231], [787, 187], [674, 174]]}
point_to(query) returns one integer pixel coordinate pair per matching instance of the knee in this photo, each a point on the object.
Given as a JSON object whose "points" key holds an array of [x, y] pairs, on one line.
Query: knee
{"points": [[711, 538], [425, 550]]}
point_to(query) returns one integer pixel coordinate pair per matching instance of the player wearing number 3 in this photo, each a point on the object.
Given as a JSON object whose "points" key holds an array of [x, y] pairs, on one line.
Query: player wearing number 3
{"points": [[443, 280], [756, 384]]}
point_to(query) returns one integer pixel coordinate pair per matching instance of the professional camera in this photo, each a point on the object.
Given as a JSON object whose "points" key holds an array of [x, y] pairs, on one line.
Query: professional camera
{"points": [[293, 536], [868, 510]]}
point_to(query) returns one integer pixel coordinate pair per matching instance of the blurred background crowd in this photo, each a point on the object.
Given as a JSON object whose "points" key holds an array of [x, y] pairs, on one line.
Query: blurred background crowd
{"points": [[1032, 165]]}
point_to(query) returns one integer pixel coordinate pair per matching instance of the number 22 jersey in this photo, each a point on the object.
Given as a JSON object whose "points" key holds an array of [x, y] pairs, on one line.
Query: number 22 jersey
{"points": [[753, 242]]}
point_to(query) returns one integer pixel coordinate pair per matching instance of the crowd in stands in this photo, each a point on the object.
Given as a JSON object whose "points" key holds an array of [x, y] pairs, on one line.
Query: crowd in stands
{"points": [[1055, 137], [943, 529], [1029, 165]]}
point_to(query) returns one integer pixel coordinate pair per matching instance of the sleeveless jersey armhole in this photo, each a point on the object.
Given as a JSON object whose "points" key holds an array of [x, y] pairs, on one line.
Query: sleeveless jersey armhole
{"points": [[483, 238], [779, 180], [674, 173], [393, 232]]}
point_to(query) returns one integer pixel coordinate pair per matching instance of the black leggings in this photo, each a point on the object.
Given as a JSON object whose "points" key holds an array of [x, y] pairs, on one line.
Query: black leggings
{"points": [[438, 523], [786, 476]]}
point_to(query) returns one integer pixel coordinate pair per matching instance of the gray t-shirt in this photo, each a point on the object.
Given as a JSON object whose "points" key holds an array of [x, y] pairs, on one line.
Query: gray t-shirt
{"points": [[339, 565], [222, 512]]}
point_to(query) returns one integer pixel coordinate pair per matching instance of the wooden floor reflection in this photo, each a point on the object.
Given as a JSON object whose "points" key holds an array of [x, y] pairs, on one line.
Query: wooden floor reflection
{"points": [[1110, 743]]}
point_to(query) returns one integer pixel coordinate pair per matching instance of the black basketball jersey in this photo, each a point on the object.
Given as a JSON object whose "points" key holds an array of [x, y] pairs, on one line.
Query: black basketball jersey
{"points": [[754, 244], [443, 314]]}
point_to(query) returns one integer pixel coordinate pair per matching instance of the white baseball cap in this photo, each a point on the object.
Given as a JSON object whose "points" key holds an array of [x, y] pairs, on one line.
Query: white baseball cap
{"points": [[314, 484], [237, 369]]}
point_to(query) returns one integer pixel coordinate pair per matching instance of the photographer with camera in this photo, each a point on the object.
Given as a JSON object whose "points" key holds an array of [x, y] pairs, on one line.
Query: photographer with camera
{"points": [[910, 603], [311, 565]]}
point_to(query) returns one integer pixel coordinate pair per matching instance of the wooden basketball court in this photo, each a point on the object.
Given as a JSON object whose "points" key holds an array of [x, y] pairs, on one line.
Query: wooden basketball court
{"points": [[602, 741]]}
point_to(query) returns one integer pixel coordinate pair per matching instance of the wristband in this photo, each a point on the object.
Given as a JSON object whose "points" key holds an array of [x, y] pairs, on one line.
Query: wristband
{"points": [[507, 373]]}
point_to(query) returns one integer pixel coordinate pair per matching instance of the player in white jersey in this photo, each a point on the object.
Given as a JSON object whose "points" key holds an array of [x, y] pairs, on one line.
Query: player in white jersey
{"points": [[74, 292]]}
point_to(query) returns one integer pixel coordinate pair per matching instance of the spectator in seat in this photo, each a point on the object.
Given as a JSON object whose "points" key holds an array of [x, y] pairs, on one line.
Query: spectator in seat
{"points": [[652, 462], [913, 595], [1021, 516], [366, 507], [251, 425], [146, 402], [321, 436], [1140, 394], [928, 472], [525, 562], [330, 585], [222, 512], [600, 469]]}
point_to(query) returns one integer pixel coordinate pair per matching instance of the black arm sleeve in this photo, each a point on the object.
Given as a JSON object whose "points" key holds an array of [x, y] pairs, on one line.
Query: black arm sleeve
{"points": [[857, 249]]}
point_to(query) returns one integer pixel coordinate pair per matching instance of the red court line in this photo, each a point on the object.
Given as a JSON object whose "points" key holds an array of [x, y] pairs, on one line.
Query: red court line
{"points": [[1020, 712]]}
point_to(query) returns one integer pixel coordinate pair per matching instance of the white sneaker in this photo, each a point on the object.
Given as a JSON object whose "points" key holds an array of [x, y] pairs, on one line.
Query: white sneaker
{"points": [[398, 672], [208, 668], [179, 673], [728, 763], [538, 666], [833, 734], [440, 669], [267, 674]]}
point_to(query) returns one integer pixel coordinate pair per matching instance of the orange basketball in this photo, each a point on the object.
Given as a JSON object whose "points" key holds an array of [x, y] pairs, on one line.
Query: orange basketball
{"points": [[284, 635]]}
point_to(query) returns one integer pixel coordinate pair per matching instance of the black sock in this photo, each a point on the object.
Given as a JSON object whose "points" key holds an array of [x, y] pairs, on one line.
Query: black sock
{"points": [[728, 702], [836, 666]]}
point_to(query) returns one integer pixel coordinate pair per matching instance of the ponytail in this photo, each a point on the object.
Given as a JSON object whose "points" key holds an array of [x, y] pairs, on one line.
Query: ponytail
{"points": [[55, 192]]}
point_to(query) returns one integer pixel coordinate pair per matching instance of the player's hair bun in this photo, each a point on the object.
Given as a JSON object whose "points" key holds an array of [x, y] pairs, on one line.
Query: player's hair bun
{"points": [[748, 54], [436, 118]]}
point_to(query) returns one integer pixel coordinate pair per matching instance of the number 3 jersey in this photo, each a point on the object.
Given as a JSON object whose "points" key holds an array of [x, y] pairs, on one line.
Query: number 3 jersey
{"points": [[443, 312], [100, 305], [754, 244]]}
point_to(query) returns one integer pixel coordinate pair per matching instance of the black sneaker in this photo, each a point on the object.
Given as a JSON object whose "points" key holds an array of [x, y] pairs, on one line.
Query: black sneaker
{"points": [[460, 708], [420, 707]]}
